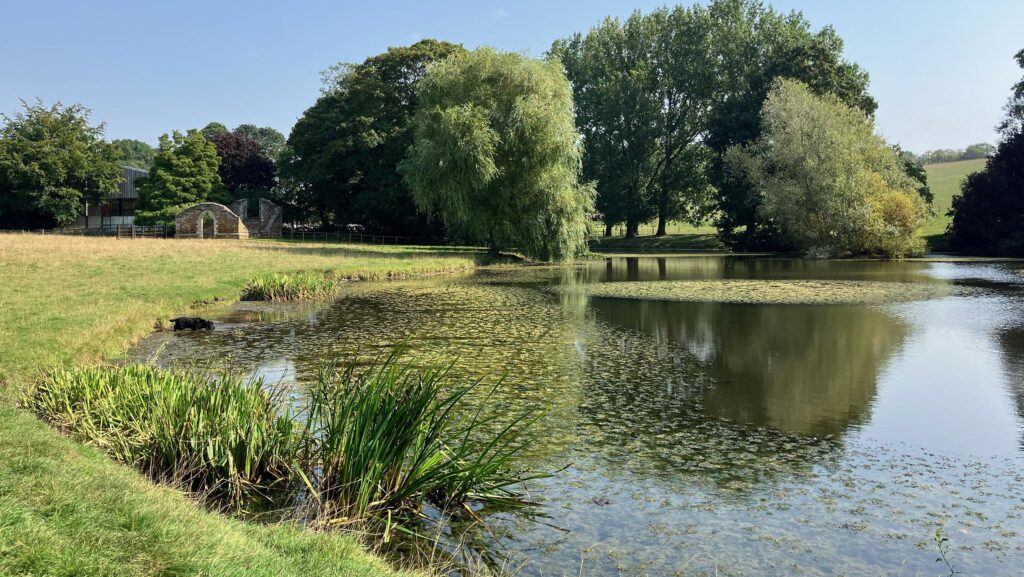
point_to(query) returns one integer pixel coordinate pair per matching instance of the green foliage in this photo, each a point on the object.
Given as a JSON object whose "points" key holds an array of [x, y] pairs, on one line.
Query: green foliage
{"points": [[270, 140], [291, 287], [988, 215], [496, 154], [213, 128], [345, 149], [643, 89], [223, 434], [753, 45], [135, 153], [826, 180], [915, 170], [383, 439], [972, 152], [52, 162], [184, 173], [390, 438]]}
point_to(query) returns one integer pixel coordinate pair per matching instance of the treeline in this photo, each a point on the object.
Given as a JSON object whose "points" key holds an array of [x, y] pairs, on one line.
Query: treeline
{"points": [[728, 112], [972, 152], [54, 162]]}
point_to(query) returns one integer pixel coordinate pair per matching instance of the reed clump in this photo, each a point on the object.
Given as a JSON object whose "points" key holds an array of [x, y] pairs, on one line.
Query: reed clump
{"points": [[363, 444], [292, 287]]}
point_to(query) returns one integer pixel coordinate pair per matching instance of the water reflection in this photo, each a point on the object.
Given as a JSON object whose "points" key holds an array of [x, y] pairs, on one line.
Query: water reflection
{"points": [[696, 437], [801, 369]]}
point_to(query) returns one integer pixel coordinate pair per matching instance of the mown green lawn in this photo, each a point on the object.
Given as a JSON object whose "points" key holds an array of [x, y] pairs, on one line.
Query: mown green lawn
{"points": [[67, 509], [679, 237], [944, 180]]}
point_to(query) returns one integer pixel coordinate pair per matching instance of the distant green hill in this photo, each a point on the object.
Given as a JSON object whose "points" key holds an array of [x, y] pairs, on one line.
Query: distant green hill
{"points": [[944, 180]]}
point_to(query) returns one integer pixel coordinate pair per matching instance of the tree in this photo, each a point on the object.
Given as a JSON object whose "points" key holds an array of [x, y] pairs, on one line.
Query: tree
{"points": [[135, 153], [184, 173], [344, 151], [826, 180], [271, 141], [980, 150], [643, 88], [496, 155], [213, 128], [752, 46], [988, 214], [915, 169], [244, 169], [53, 162]]}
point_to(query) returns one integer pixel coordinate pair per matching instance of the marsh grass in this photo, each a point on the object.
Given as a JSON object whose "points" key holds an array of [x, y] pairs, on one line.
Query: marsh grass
{"points": [[389, 439], [378, 442], [224, 435], [292, 287]]}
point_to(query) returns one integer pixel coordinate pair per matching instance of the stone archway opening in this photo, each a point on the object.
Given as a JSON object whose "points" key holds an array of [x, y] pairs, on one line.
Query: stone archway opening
{"points": [[207, 225]]}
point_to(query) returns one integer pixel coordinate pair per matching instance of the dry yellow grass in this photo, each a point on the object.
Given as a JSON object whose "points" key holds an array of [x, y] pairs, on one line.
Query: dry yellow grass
{"points": [[81, 300]]}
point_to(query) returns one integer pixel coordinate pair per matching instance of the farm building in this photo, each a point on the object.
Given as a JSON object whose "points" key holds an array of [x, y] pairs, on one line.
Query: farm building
{"points": [[119, 206]]}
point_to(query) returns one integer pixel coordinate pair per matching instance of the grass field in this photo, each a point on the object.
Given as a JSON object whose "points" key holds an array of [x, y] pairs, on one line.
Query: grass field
{"points": [[65, 508], [944, 180], [680, 237]]}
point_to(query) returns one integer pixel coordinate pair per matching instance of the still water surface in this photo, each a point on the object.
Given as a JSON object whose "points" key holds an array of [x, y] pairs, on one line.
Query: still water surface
{"points": [[702, 438]]}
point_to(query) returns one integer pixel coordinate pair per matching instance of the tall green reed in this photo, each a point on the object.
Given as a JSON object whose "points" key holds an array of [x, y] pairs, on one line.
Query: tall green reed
{"points": [[372, 442], [224, 435]]}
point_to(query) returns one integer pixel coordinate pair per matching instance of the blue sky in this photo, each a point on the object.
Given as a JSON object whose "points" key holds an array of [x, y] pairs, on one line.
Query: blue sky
{"points": [[941, 70]]}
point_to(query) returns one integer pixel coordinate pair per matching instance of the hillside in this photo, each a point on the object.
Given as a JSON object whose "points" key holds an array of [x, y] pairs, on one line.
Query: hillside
{"points": [[944, 179]]}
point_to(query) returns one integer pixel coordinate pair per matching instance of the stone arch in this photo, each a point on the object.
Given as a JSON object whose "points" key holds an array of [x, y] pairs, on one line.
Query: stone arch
{"points": [[201, 231], [226, 223]]}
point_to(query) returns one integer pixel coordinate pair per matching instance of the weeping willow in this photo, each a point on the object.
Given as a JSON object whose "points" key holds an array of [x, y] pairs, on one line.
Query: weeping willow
{"points": [[496, 155]]}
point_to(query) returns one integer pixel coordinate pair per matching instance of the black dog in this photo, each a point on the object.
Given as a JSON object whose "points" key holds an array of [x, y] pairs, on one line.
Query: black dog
{"points": [[192, 324]]}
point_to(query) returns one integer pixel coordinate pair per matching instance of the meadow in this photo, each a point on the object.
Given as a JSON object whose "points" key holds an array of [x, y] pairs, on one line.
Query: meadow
{"points": [[944, 180], [68, 509]]}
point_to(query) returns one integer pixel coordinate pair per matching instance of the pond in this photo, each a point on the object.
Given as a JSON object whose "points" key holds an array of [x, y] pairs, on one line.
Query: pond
{"points": [[699, 438]]}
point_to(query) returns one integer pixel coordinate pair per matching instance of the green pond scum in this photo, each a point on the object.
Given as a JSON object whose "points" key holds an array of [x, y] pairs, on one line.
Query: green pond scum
{"points": [[717, 438]]}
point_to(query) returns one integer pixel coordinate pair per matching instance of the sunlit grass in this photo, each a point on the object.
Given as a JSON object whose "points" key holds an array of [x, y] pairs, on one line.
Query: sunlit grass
{"points": [[66, 509]]}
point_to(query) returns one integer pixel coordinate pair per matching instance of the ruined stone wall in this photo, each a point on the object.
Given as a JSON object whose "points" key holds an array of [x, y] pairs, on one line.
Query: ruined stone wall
{"points": [[266, 224], [227, 223]]}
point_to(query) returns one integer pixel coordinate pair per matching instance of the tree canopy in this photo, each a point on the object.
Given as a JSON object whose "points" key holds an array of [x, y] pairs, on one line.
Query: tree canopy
{"points": [[270, 140], [661, 96], [344, 151], [135, 153], [184, 173], [244, 169], [496, 154], [826, 180], [52, 162]]}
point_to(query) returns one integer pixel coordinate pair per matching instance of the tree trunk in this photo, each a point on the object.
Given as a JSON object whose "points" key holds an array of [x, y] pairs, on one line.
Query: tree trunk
{"points": [[631, 227], [661, 218], [607, 229]]}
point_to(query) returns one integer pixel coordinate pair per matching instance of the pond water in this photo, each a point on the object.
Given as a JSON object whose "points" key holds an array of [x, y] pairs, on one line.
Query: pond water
{"points": [[704, 438]]}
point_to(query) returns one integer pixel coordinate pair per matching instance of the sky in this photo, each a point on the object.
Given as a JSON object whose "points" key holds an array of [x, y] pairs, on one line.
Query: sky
{"points": [[941, 70]]}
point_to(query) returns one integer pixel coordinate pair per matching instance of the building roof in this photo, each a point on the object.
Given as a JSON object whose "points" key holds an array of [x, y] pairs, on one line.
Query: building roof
{"points": [[126, 188]]}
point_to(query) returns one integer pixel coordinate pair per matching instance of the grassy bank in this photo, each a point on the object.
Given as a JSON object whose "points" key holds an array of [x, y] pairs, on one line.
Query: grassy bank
{"points": [[944, 180], [67, 509], [681, 237]]}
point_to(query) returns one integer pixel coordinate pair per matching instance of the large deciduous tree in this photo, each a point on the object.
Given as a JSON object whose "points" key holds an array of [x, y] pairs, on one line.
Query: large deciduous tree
{"points": [[752, 46], [988, 214], [244, 169], [343, 153], [826, 180], [135, 153], [496, 154], [184, 173], [270, 140], [53, 162]]}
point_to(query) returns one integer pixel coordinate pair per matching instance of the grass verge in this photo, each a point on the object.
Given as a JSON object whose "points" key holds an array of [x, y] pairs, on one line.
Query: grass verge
{"points": [[67, 509]]}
